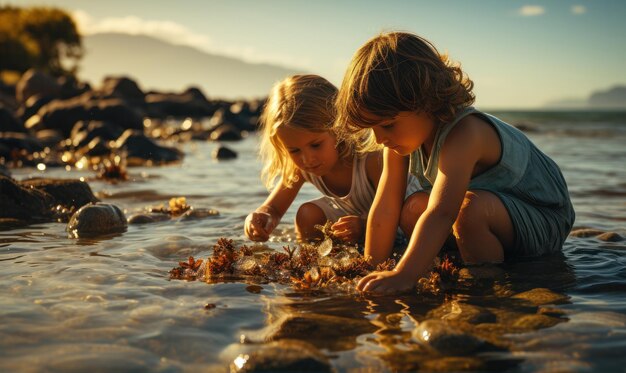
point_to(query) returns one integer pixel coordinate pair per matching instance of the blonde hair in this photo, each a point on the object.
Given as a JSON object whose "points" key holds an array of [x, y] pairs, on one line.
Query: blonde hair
{"points": [[396, 72], [300, 101]]}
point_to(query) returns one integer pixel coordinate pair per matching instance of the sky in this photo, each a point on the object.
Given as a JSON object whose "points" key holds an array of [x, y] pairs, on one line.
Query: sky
{"points": [[520, 54]]}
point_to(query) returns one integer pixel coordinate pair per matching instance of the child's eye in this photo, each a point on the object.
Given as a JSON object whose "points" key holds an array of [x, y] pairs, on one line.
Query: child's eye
{"points": [[292, 151], [387, 126], [316, 145]]}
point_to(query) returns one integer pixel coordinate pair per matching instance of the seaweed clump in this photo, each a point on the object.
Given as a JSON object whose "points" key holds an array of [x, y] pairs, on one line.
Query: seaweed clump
{"points": [[325, 265], [176, 207], [444, 274], [306, 266]]}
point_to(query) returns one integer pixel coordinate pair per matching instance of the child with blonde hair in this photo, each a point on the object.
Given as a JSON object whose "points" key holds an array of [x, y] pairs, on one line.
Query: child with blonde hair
{"points": [[486, 182], [298, 144]]}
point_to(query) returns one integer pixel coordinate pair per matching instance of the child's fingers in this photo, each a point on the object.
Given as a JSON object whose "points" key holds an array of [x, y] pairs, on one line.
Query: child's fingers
{"points": [[367, 283]]}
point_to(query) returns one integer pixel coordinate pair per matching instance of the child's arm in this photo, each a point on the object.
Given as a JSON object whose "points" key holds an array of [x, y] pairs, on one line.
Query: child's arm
{"points": [[261, 222], [384, 216], [351, 228], [458, 158]]}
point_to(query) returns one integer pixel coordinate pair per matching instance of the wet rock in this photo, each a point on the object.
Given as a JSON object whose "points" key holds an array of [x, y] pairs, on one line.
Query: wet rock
{"points": [[458, 311], [526, 127], [14, 141], [226, 132], [235, 115], [142, 218], [4, 171], [444, 339], [141, 148], [586, 232], [222, 153], [200, 213], [95, 148], [191, 103], [32, 106], [534, 322], [35, 82], [124, 88], [541, 296], [66, 192], [85, 131], [95, 220], [63, 114], [282, 356], [23, 203], [323, 331], [452, 364], [610, 237], [9, 122], [8, 223], [49, 138]]}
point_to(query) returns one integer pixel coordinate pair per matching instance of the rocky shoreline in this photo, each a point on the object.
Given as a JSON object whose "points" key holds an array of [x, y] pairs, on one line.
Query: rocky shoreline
{"points": [[63, 123]]}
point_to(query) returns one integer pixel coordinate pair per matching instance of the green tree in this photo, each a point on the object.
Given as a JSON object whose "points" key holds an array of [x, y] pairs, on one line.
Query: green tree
{"points": [[39, 37]]}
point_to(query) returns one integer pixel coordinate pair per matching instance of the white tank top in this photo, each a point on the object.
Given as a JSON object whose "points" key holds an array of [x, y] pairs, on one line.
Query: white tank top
{"points": [[359, 199]]}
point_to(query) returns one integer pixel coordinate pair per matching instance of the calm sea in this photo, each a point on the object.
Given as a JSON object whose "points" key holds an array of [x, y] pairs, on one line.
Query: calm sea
{"points": [[107, 304]]}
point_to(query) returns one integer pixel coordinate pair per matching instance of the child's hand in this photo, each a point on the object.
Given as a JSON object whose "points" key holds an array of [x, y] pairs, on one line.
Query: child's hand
{"points": [[258, 226], [386, 282], [348, 229]]}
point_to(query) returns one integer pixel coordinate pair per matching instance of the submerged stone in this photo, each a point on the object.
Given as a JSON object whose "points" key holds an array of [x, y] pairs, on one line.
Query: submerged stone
{"points": [[282, 356], [541, 296], [146, 218], [444, 339], [458, 311], [95, 220], [610, 237], [533, 322]]}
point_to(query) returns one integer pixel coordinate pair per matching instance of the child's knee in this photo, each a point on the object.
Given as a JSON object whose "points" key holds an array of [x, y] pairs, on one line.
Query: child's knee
{"points": [[414, 206], [308, 215], [471, 215]]}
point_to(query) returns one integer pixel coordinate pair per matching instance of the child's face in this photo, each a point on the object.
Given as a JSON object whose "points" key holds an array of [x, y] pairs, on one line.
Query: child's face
{"points": [[406, 132], [312, 152]]}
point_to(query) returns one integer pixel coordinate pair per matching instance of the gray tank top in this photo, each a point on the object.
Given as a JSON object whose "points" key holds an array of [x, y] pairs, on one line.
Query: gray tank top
{"points": [[359, 199], [523, 172]]}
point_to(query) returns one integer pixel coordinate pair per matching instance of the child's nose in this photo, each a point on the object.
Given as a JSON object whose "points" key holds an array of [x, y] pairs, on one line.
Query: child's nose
{"points": [[307, 159]]}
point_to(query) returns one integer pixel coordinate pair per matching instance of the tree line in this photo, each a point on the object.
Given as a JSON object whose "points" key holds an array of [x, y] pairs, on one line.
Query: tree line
{"points": [[39, 37]]}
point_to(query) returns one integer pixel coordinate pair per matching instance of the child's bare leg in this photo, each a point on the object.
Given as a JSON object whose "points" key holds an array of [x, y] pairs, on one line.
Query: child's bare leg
{"points": [[307, 217], [483, 228], [414, 206]]}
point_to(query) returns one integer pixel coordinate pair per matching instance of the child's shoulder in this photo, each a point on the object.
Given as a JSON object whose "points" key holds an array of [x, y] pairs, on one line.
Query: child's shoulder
{"points": [[374, 164], [471, 127]]}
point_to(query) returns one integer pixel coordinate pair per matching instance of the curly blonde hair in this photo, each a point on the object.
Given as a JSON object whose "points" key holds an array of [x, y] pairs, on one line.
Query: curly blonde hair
{"points": [[301, 101], [399, 71]]}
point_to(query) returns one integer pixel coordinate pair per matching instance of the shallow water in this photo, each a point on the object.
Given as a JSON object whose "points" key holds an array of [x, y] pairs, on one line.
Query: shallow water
{"points": [[106, 304]]}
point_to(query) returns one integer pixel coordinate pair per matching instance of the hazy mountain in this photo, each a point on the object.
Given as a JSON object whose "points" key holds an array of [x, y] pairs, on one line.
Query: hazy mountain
{"points": [[159, 65], [612, 98]]}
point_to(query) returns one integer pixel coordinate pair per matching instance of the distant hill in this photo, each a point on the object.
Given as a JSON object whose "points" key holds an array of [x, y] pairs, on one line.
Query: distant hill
{"points": [[612, 98], [159, 65]]}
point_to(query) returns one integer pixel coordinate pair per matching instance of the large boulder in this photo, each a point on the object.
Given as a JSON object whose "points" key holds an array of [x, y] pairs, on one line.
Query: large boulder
{"points": [[124, 88], [62, 115], [9, 122], [67, 192], [283, 356], [140, 149], [96, 220], [191, 103], [41, 199], [35, 82], [19, 202]]}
